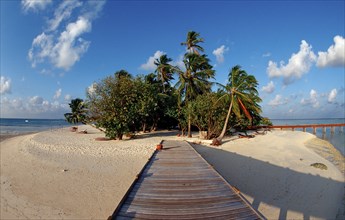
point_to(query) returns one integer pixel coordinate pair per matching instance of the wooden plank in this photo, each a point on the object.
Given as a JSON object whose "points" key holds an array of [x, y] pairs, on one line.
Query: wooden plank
{"points": [[177, 183]]}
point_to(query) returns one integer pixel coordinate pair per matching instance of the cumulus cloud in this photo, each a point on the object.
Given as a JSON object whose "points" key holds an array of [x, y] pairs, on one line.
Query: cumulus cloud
{"points": [[31, 107], [66, 51], [298, 65], [312, 100], [332, 95], [219, 53], [5, 85], [63, 47], [269, 88], [57, 93], [335, 55], [150, 65], [35, 5], [36, 100], [278, 100]]}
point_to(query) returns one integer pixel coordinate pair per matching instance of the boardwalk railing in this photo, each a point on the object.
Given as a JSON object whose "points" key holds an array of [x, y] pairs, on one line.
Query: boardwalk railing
{"points": [[304, 127]]}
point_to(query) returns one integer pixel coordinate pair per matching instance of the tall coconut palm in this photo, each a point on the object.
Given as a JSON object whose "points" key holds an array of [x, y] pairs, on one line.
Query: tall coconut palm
{"points": [[194, 79], [192, 41], [164, 70], [244, 98], [78, 112]]}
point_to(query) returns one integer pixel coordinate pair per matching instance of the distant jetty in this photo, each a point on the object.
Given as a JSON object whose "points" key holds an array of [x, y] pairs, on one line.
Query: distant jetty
{"points": [[305, 126]]}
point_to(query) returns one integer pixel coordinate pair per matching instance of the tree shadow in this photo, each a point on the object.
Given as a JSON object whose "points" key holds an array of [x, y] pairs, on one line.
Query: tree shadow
{"points": [[162, 133], [286, 187]]}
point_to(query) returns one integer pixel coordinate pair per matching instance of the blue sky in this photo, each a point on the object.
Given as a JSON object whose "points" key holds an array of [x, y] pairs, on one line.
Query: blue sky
{"points": [[53, 51]]}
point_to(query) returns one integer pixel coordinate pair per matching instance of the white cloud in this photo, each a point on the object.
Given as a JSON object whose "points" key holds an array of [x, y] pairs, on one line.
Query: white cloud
{"points": [[57, 93], [312, 100], [32, 107], [36, 100], [70, 46], [91, 89], [278, 100], [68, 97], [63, 12], [335, 55], [219, 53], [149, 65], [179, 62], [35, 5], [5, 85], [64, 46], [269, 88], [298, 65], [332, 95]]}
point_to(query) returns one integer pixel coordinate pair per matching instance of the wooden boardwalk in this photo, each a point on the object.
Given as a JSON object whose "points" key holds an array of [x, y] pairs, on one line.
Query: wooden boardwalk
{"points": [[177, 183]]}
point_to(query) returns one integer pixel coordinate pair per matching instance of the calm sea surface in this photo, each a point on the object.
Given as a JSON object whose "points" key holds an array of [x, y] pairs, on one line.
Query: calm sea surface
{"points": [[337, 139], [21, 126]]}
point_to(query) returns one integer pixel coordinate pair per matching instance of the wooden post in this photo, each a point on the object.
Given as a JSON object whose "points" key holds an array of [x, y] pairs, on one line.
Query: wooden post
{"points": [[314, 130], [332, 130], [293, 129], [304, 129], [323, 130]]}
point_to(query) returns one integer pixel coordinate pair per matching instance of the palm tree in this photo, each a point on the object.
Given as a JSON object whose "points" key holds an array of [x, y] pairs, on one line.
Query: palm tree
{"points": [[164, 70], [194, 80], [192, 42], [244, 98], [78, 112]]}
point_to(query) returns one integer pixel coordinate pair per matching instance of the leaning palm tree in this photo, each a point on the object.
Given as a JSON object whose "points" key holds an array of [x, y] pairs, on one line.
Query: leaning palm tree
{"points": [[192, 41], [193, 80], [164, 70], [78, 112], [244, 98]]}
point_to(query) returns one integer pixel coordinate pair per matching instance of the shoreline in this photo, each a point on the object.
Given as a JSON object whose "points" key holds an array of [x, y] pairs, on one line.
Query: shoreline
{"points": [[63, 174]]}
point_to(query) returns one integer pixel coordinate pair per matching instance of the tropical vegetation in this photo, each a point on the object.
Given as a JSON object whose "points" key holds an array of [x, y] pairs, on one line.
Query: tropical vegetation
{"points": [[123, 104], [78, 112]]}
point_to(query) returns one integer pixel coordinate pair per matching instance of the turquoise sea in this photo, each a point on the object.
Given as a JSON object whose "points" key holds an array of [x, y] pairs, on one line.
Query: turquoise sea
{"points": [[21, 126], [14, 126]]}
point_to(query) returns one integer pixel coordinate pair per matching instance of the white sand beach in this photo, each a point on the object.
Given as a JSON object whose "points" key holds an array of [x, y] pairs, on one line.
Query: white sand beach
{"points": [[66, 175]]}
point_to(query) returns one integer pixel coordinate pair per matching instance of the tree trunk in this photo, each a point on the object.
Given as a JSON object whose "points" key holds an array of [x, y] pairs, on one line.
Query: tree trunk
{"points": [[226, 123], [119, 136], [189, 126], [144, 127]]}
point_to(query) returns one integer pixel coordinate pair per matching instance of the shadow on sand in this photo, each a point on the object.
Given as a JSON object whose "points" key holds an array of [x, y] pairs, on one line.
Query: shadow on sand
{"points": [[280, 187], [163, 133]]}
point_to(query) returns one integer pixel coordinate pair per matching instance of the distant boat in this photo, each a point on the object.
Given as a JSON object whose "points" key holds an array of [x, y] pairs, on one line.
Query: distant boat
{"points": [[26, 121]]}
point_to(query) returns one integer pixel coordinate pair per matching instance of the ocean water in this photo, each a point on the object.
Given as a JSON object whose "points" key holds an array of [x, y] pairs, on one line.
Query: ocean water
{"points": [[337, 139], [22, 126]]}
